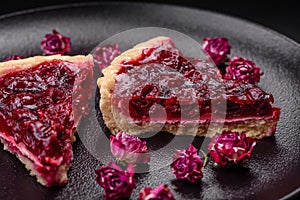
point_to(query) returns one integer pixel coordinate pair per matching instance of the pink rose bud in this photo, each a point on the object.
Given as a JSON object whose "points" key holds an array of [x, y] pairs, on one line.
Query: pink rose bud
{"points": [[217, 49], [230, 147], [55, 43], [105, 54], [243, 70], [13, 58], [117, 184], [187, 165], [161, 192], [129, 148]]}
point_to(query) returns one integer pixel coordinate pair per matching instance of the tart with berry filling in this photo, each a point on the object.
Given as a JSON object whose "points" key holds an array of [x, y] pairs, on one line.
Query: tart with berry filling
{"points": [[153, 86], [41, 103]]}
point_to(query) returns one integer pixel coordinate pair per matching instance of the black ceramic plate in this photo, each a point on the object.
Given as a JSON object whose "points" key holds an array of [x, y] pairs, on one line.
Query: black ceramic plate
{"points": [[274, 169]]}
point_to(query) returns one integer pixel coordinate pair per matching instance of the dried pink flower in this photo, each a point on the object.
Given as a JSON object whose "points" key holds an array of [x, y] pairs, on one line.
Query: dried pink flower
{"points": [[187, 165], [129, 148], [105, 54], [231, 147], [161, 192], [55, 43], [241, 69], [13, 58], [117, 184], [217, 49]]}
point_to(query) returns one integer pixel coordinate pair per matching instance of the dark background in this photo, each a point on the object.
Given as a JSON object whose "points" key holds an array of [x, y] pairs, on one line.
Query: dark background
{"points": [[282, 16]]}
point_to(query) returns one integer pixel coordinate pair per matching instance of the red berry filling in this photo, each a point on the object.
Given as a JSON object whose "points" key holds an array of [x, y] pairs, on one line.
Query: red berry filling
{"points": [[185, 88], [36, 110]]}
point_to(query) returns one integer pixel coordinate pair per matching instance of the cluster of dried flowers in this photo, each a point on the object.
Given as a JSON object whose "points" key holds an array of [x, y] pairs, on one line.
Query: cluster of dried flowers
{"points": [[225, 148], [237, 69]]}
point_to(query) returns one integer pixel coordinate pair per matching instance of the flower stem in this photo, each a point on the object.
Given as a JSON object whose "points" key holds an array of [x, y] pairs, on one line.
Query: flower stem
{"points": [[205, 158]]}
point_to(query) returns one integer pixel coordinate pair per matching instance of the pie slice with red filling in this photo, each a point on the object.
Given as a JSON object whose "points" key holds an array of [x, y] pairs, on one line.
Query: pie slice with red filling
{"points": [[154, 87], [41, 102]]}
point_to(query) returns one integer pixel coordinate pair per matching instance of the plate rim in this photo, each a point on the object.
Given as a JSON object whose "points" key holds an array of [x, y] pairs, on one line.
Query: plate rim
{"points": [[81, 4]]}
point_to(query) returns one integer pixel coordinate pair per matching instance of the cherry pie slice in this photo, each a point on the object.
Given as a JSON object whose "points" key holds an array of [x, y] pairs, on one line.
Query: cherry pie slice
{"points": [[41, 103], [154, 87]]}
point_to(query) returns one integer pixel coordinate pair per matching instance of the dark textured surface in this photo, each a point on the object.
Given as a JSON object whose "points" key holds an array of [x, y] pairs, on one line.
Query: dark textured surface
{"points": [[274, 170], [279, 15]]}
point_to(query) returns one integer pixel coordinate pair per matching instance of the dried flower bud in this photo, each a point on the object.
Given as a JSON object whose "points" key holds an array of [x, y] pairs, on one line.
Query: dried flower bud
{"points": [[117, 184], [231, 147], [55, 43], [161, 192], [105, 54], [13, 58], [217, 49], [129, 148], [187, 165], [243, 70]]}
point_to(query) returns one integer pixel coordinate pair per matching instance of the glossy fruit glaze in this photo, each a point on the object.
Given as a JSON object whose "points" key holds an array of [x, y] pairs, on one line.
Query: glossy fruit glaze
{"points": [[36, 110], [184, 87]]}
